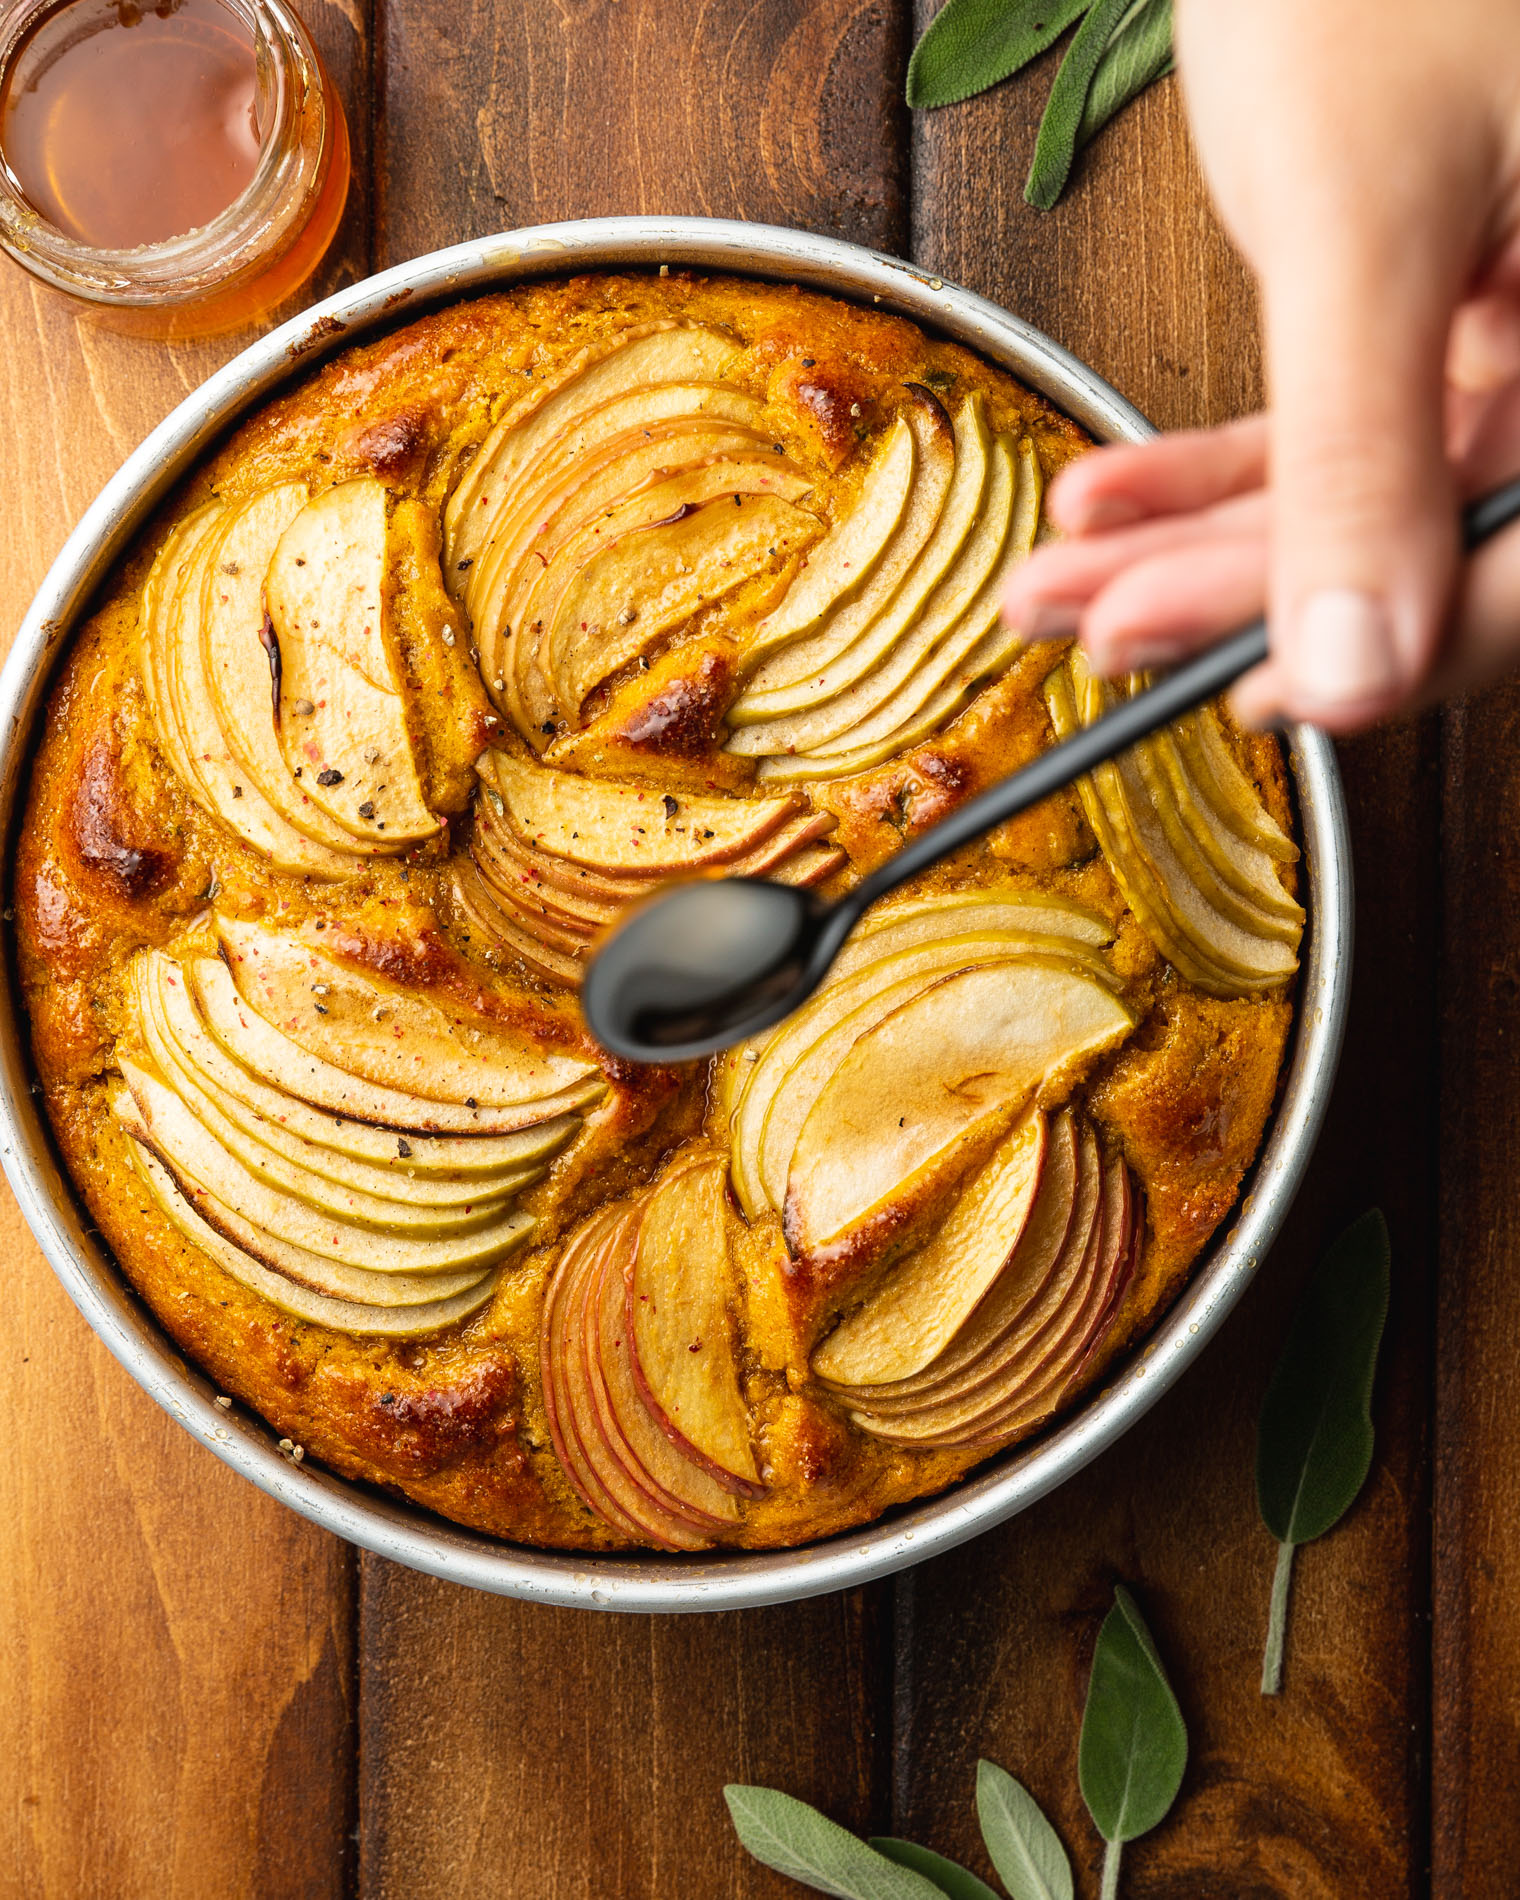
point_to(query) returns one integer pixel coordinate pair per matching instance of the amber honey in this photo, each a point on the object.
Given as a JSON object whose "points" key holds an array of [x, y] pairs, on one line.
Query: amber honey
{"points": [[126, 125], [181, 165]]}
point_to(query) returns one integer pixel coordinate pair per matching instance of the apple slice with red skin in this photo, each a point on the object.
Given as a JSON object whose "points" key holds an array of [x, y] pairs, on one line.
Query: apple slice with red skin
{"points": [[928, 1297], [633, 1502], [672, 1483], [1032, 1403], [1053, 1221], [554, 1369], [1116, 1266], [941, 1415], [496, 925], [679, 1324]]}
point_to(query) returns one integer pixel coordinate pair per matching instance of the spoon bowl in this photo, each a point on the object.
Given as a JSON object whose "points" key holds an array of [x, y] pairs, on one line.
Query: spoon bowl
{"points": [[705, 965]]}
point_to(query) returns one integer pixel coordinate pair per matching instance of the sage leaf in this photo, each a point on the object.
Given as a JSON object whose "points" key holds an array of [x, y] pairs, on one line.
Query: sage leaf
{"points": [[1133, 1749], [798, 1841], [970, 45], [1314, 1441], [1022, 1845], [1055, 144], [953, 1880], [1139, 53]]}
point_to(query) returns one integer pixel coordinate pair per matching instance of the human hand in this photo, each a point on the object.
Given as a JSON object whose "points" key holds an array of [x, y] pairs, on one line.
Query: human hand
{"points": [[1366, 158]]}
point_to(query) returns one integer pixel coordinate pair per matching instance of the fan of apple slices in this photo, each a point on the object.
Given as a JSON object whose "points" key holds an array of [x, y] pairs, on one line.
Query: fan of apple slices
{"points": [[941, 1020], [894, 621], [608, 506], [1188, 840], [555, 857], [977, 1336], [640, 1375], [271, 674], [351, 1152]]}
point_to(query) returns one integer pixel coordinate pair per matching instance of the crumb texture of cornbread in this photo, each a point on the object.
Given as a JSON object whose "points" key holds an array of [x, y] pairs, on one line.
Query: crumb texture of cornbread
{"points": [[477, 636]]}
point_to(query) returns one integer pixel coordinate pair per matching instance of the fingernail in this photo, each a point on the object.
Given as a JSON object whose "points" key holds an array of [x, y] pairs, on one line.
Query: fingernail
{"points": [[1048, 619], [1341, 646]]}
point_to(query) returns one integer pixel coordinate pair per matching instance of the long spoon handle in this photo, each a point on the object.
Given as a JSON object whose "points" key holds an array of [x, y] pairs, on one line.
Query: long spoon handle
{"points": [[1190, 686]]}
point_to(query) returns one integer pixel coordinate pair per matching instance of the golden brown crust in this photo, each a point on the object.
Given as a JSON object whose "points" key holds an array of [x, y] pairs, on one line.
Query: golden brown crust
{"points": [[115, 855]]}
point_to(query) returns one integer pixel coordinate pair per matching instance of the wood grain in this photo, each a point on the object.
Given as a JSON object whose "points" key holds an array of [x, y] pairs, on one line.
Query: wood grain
{"points": [[177, 1650], [1476, 1765], [547, 1752], [499, 115]]}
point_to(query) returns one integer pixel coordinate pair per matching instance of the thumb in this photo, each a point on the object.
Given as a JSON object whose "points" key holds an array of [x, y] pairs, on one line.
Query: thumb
{"points": [[1364, 541]]}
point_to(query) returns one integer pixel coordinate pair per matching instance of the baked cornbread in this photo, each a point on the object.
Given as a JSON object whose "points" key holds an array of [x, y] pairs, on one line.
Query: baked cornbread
{"points": [[474, 638]]}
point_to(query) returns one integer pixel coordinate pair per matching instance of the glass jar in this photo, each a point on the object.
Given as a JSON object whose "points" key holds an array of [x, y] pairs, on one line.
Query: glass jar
{"points": [[250, 256]]}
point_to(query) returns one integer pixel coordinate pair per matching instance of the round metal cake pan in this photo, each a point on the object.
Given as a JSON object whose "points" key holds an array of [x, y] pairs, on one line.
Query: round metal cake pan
{"points": [[407, 1534]]}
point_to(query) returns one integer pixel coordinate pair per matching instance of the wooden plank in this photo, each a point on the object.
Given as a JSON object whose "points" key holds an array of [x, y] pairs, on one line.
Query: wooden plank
{"points": [[517, 113], [1319, 1793], [558, 1753], [517, 1750], [1476, 1746], [177, 1649]]}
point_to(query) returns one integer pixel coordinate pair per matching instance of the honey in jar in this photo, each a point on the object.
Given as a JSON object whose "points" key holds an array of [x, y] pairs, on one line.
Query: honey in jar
{"points": [[180, 164]]}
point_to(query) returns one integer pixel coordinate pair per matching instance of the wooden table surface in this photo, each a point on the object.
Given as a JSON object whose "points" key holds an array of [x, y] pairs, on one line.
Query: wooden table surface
{"points": [[205, 1696]]}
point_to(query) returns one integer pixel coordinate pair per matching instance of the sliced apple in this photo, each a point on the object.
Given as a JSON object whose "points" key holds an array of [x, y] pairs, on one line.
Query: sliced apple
{"points": [[1046, 1387], [670, 1480], [950, 647], [662, 575], [896, 953], [1228, 792], [701, 423], [1242, 876], [991, 657], [240, 668], [1024, 1381], [398, 1322], [224, 1187], [216, 777], [1062, 1209], [623, 828], [964, 1055], [881, 694], [678, 1296], [265, 1051], [338, 1183], [1210, 945], [849, 554], [641, 357], [770, 690], [565, 1429], [394, 1038], [154, 634], [1040, 1334], [496, 925], [485, 1161], [584, 1383], [929, 1296], [949, 492], [342, 716]]}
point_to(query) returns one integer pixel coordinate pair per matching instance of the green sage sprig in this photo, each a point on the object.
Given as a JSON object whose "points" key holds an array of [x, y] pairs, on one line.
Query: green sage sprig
{"points": [[798, 1841], [1133, 1750], [1315, 1439], [1120, 48]]}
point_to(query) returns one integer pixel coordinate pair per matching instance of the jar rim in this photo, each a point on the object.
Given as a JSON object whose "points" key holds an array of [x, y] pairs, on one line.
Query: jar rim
{"points": [[266, 216]]}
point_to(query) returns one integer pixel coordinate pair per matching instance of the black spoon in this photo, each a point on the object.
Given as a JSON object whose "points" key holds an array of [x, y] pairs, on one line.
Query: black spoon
{"points": [[706, 964]]}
